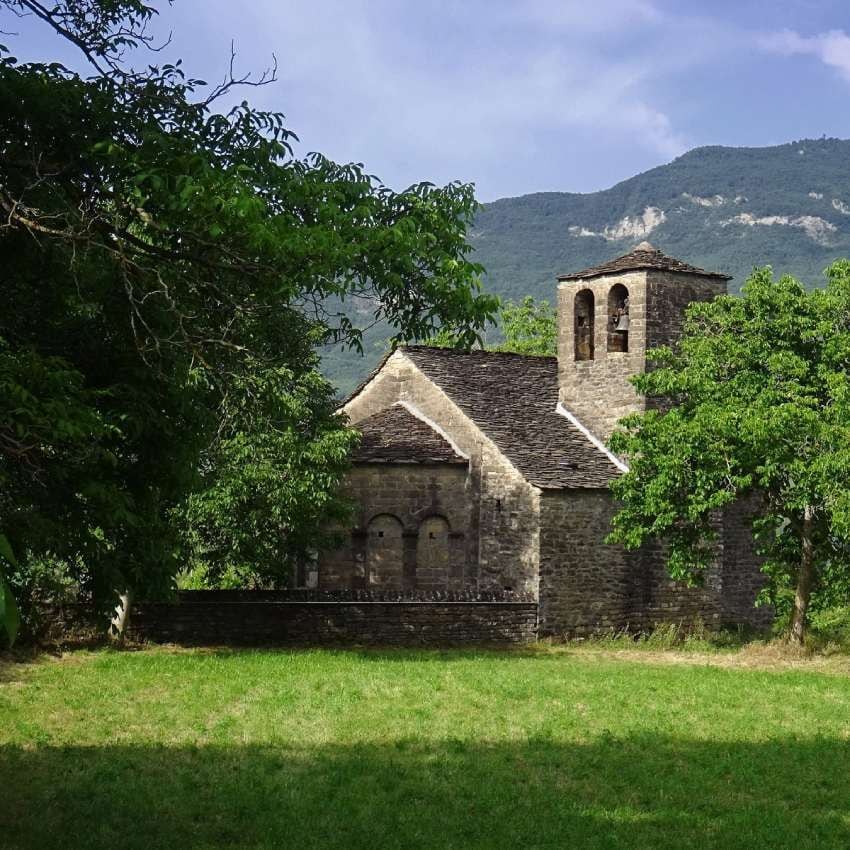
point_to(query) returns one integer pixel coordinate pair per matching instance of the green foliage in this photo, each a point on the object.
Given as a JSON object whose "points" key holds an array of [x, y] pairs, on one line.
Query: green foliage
{"points": [[9, 617], [755, 403], [529, 327], [830, 630], [38, 583], [168, 272], [269, 489], [443, 339]]}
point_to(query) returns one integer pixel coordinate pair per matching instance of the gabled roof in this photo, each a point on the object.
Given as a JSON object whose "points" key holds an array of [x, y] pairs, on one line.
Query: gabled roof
{"points": [[513, 398], [395, 435], [643, 256]]}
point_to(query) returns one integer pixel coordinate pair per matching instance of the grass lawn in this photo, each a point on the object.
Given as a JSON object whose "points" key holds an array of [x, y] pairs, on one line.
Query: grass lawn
{"points": [[568, 748]]}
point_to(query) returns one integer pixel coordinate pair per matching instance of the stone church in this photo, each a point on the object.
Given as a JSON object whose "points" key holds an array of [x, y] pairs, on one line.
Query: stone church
{"points": [[486, 471]]}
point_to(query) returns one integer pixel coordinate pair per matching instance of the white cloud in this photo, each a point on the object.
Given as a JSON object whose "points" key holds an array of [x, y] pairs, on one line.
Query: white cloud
{"points": [[399, 88], [518, 97], [832, 48]]}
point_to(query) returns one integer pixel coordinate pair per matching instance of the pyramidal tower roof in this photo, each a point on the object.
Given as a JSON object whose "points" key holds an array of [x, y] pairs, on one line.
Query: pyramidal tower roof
{"points": [[641, 257]]}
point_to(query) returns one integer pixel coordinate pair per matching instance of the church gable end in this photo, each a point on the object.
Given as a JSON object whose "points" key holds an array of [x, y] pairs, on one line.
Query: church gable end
{"points": [[500, 545]]}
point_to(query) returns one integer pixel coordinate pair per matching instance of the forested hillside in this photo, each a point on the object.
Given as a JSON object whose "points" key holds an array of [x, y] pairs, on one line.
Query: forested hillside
{"points": [[725, 209]]}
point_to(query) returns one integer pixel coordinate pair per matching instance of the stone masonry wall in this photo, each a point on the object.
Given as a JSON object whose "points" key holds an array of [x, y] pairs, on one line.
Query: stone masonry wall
{"points": [[742, 577], [335, 623], [668, 296], [503, 529], [413, 493], [588, 586]]}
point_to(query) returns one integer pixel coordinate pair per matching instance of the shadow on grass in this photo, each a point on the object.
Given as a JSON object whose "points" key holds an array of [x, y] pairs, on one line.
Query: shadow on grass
{"points": [[634, 792]]}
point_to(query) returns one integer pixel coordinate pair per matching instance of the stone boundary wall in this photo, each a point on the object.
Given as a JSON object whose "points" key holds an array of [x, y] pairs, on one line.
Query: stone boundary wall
{"points": [[299, 623], [352, 595]]}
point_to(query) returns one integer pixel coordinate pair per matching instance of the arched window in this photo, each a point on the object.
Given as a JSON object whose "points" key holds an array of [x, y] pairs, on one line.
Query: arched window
{"points": [[583, 324], [432, 554], [618, 318], [384, 552]]}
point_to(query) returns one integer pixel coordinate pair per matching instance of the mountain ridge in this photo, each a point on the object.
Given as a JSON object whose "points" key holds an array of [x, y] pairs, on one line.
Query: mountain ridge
{"points": [[722, 208]]}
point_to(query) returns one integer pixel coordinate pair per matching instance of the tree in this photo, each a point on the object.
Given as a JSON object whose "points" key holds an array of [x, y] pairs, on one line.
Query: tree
{"points": [[530, 327], [269, 492], [168, 271], [9, 618], [755, 402]]}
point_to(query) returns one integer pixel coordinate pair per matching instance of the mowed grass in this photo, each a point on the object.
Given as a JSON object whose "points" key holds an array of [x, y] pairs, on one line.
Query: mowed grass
{"points": [[268, 749]]}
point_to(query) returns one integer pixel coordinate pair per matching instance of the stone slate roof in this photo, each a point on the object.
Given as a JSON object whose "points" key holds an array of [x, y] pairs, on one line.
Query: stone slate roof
{"points": [[643, 256], [512, 399], [395, 435]]}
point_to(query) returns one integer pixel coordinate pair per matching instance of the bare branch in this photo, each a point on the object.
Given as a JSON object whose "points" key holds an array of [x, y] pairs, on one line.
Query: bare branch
{"points": [[269, 75]]}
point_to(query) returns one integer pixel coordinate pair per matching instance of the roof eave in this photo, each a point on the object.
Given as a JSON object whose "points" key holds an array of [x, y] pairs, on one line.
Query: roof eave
{"points": [[455, 461], [579, 276]]}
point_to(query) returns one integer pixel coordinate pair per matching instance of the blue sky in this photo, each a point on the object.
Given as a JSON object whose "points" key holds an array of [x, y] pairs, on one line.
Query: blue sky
{"points": [[524, 96]]}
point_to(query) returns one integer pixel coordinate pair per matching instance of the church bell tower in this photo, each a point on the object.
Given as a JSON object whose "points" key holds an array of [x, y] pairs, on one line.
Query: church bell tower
{"points": [[609, 316]]}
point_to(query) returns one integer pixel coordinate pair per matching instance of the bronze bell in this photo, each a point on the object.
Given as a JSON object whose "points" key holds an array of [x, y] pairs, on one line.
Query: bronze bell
{"points": [[622, 323]]}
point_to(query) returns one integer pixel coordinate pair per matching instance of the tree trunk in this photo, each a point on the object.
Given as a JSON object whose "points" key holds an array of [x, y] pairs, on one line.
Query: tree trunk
{"points": [[121, 617], [805, 579]]}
